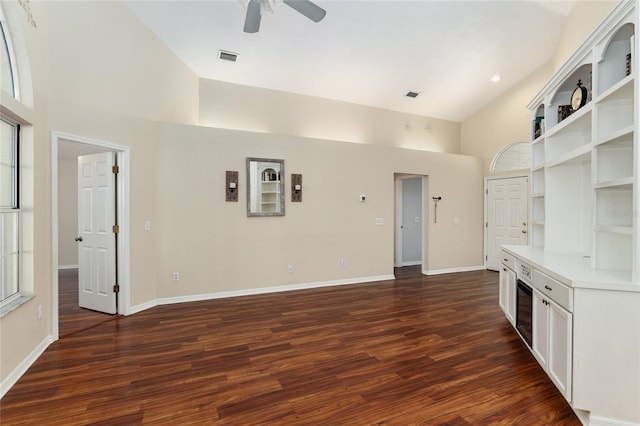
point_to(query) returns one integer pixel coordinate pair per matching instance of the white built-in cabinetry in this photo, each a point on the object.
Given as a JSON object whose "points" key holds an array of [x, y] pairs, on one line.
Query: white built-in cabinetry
{"points": [[584, 229], [508, 286], [553, 330]]}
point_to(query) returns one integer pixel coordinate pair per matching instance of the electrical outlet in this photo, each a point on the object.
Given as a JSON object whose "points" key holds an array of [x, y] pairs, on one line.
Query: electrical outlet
{"points": [[176, 276], [290, 269], [343, 263]]}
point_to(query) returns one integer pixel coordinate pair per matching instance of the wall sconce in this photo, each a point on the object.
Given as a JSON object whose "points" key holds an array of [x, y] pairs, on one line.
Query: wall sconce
{"points": [[231, 187], [296, 188]]}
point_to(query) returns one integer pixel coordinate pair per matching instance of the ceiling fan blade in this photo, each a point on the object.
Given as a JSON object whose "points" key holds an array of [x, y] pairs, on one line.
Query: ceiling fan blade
{"points": [[307, 8], [252, 20]]}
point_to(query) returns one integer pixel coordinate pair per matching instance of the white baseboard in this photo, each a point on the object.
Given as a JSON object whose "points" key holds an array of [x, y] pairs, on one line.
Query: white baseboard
{"points": [[142, 307], [414, 263], [603, 421], [22, 368], [453, 270], [68, 267], [254, 291]]}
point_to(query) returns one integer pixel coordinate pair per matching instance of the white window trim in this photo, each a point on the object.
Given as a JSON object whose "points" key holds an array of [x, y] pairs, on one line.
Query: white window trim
{"points": [[18, 298], [497, 157], [12, 55]]}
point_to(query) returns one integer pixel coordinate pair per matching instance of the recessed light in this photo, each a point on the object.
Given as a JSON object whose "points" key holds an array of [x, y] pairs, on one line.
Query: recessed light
{"points": [[495, 78], [412, 94]]}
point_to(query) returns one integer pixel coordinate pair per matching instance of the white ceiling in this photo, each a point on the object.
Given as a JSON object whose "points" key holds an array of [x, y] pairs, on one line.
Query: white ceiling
{"points": [[368, 52]]}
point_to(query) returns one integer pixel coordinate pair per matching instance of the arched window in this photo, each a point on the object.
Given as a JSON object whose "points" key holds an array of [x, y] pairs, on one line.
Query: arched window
{"points": [[16, 285], [9, 74], [516, 156]]}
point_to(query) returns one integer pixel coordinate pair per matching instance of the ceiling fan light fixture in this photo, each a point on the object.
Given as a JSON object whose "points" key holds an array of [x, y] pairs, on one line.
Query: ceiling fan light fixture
{"points": [[227, 56], [412, 94]]}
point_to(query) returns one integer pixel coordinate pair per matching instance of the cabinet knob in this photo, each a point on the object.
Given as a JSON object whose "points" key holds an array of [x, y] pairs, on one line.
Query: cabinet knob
{"points": [[524, 231], [504, 269], [548, 288]]}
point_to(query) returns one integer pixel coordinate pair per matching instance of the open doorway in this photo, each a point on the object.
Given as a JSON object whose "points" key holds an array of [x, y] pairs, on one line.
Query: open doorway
{"points": [[69, 261], [410, 221], [71, 316]]}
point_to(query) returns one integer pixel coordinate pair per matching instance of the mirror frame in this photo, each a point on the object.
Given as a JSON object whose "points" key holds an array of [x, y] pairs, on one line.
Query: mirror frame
{"points": [[251, 184]]}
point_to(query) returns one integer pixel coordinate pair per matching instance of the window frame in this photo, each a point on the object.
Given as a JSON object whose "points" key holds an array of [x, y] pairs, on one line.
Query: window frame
{"points": [[4, 29], [14, 208]]}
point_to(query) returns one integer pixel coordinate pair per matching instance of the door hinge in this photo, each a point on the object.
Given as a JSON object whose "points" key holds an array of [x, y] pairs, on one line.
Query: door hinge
{"points": [[116, 229], [486, 257], [115, 170], [116, 288], [486, 224]]}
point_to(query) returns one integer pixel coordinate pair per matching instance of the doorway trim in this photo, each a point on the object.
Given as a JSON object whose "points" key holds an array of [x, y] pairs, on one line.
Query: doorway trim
{"points": [[486, 209], [397, 232], [123, 215]]}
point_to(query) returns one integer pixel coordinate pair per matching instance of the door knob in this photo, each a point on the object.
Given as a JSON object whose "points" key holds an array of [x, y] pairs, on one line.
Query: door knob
{"points": [[78, 239]]}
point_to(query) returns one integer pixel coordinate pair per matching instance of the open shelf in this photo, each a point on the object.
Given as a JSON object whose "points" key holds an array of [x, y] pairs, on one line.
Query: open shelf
{"points": [[613, 250], [538, 182], [614, 206], [612, 67], [571, 135]]}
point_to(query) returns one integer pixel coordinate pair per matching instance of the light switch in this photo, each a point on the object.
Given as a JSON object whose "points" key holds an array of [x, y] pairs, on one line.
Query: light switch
{"points": [[147, 225], [379, 221], [416, 219], [456, 221]]}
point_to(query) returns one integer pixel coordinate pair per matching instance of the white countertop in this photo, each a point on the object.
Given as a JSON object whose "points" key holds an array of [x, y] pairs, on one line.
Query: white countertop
{"points": [[573, 270]]}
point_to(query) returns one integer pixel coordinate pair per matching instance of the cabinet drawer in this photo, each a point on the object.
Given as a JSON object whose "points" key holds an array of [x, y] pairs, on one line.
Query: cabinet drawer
{"points": [[508, 260], [560, 293]]}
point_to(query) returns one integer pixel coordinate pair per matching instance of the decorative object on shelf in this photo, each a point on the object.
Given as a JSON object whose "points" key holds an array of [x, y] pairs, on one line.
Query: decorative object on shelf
{"points": [[231, 187], [579, 96], [564, 111], [296, 188], [435, 208], [590, 87], [628, 64], [538, 127], [265, 187]]}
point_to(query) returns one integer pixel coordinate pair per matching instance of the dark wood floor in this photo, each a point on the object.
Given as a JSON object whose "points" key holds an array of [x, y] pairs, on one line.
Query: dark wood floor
{"points": [[73, 318], [416, 350]]}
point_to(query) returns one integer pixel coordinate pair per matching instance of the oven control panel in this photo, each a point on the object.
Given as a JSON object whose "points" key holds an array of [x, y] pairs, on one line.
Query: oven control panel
{"points": [[525, 272]]}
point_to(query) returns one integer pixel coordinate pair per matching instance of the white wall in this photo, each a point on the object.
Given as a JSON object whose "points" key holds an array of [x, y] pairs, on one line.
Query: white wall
{"points": [[233, 106], [90, 65], [68, 212], [216, 247], [506, 119]]}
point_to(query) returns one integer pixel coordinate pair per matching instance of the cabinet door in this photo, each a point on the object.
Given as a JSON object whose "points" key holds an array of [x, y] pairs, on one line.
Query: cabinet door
{"points": [[540, 328], [511, 296], [503, 299], [560, 348], [507, 299]]}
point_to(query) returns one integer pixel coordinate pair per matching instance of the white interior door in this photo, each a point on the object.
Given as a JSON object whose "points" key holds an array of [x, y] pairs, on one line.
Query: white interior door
{"points": [[96, 237], [507, 216]]}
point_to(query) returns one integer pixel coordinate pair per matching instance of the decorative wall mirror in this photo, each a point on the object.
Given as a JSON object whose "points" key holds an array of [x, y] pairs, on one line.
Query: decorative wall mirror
{"points": [[265, 187]]}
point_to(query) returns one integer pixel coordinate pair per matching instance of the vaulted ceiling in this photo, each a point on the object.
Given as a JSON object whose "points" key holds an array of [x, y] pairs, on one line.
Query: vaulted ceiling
{"points": [[369, 52]]}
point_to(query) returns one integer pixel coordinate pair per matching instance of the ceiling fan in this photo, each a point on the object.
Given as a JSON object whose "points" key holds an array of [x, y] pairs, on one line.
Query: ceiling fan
{"points": [[255, 8]]}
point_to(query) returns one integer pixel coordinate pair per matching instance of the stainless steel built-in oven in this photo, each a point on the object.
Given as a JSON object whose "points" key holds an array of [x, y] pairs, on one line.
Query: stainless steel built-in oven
{"points": [[524, 304]]}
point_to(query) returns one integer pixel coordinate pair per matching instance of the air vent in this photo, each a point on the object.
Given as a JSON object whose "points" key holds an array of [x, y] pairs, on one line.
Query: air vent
{"points": [[412, 94], [227, 56]]}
